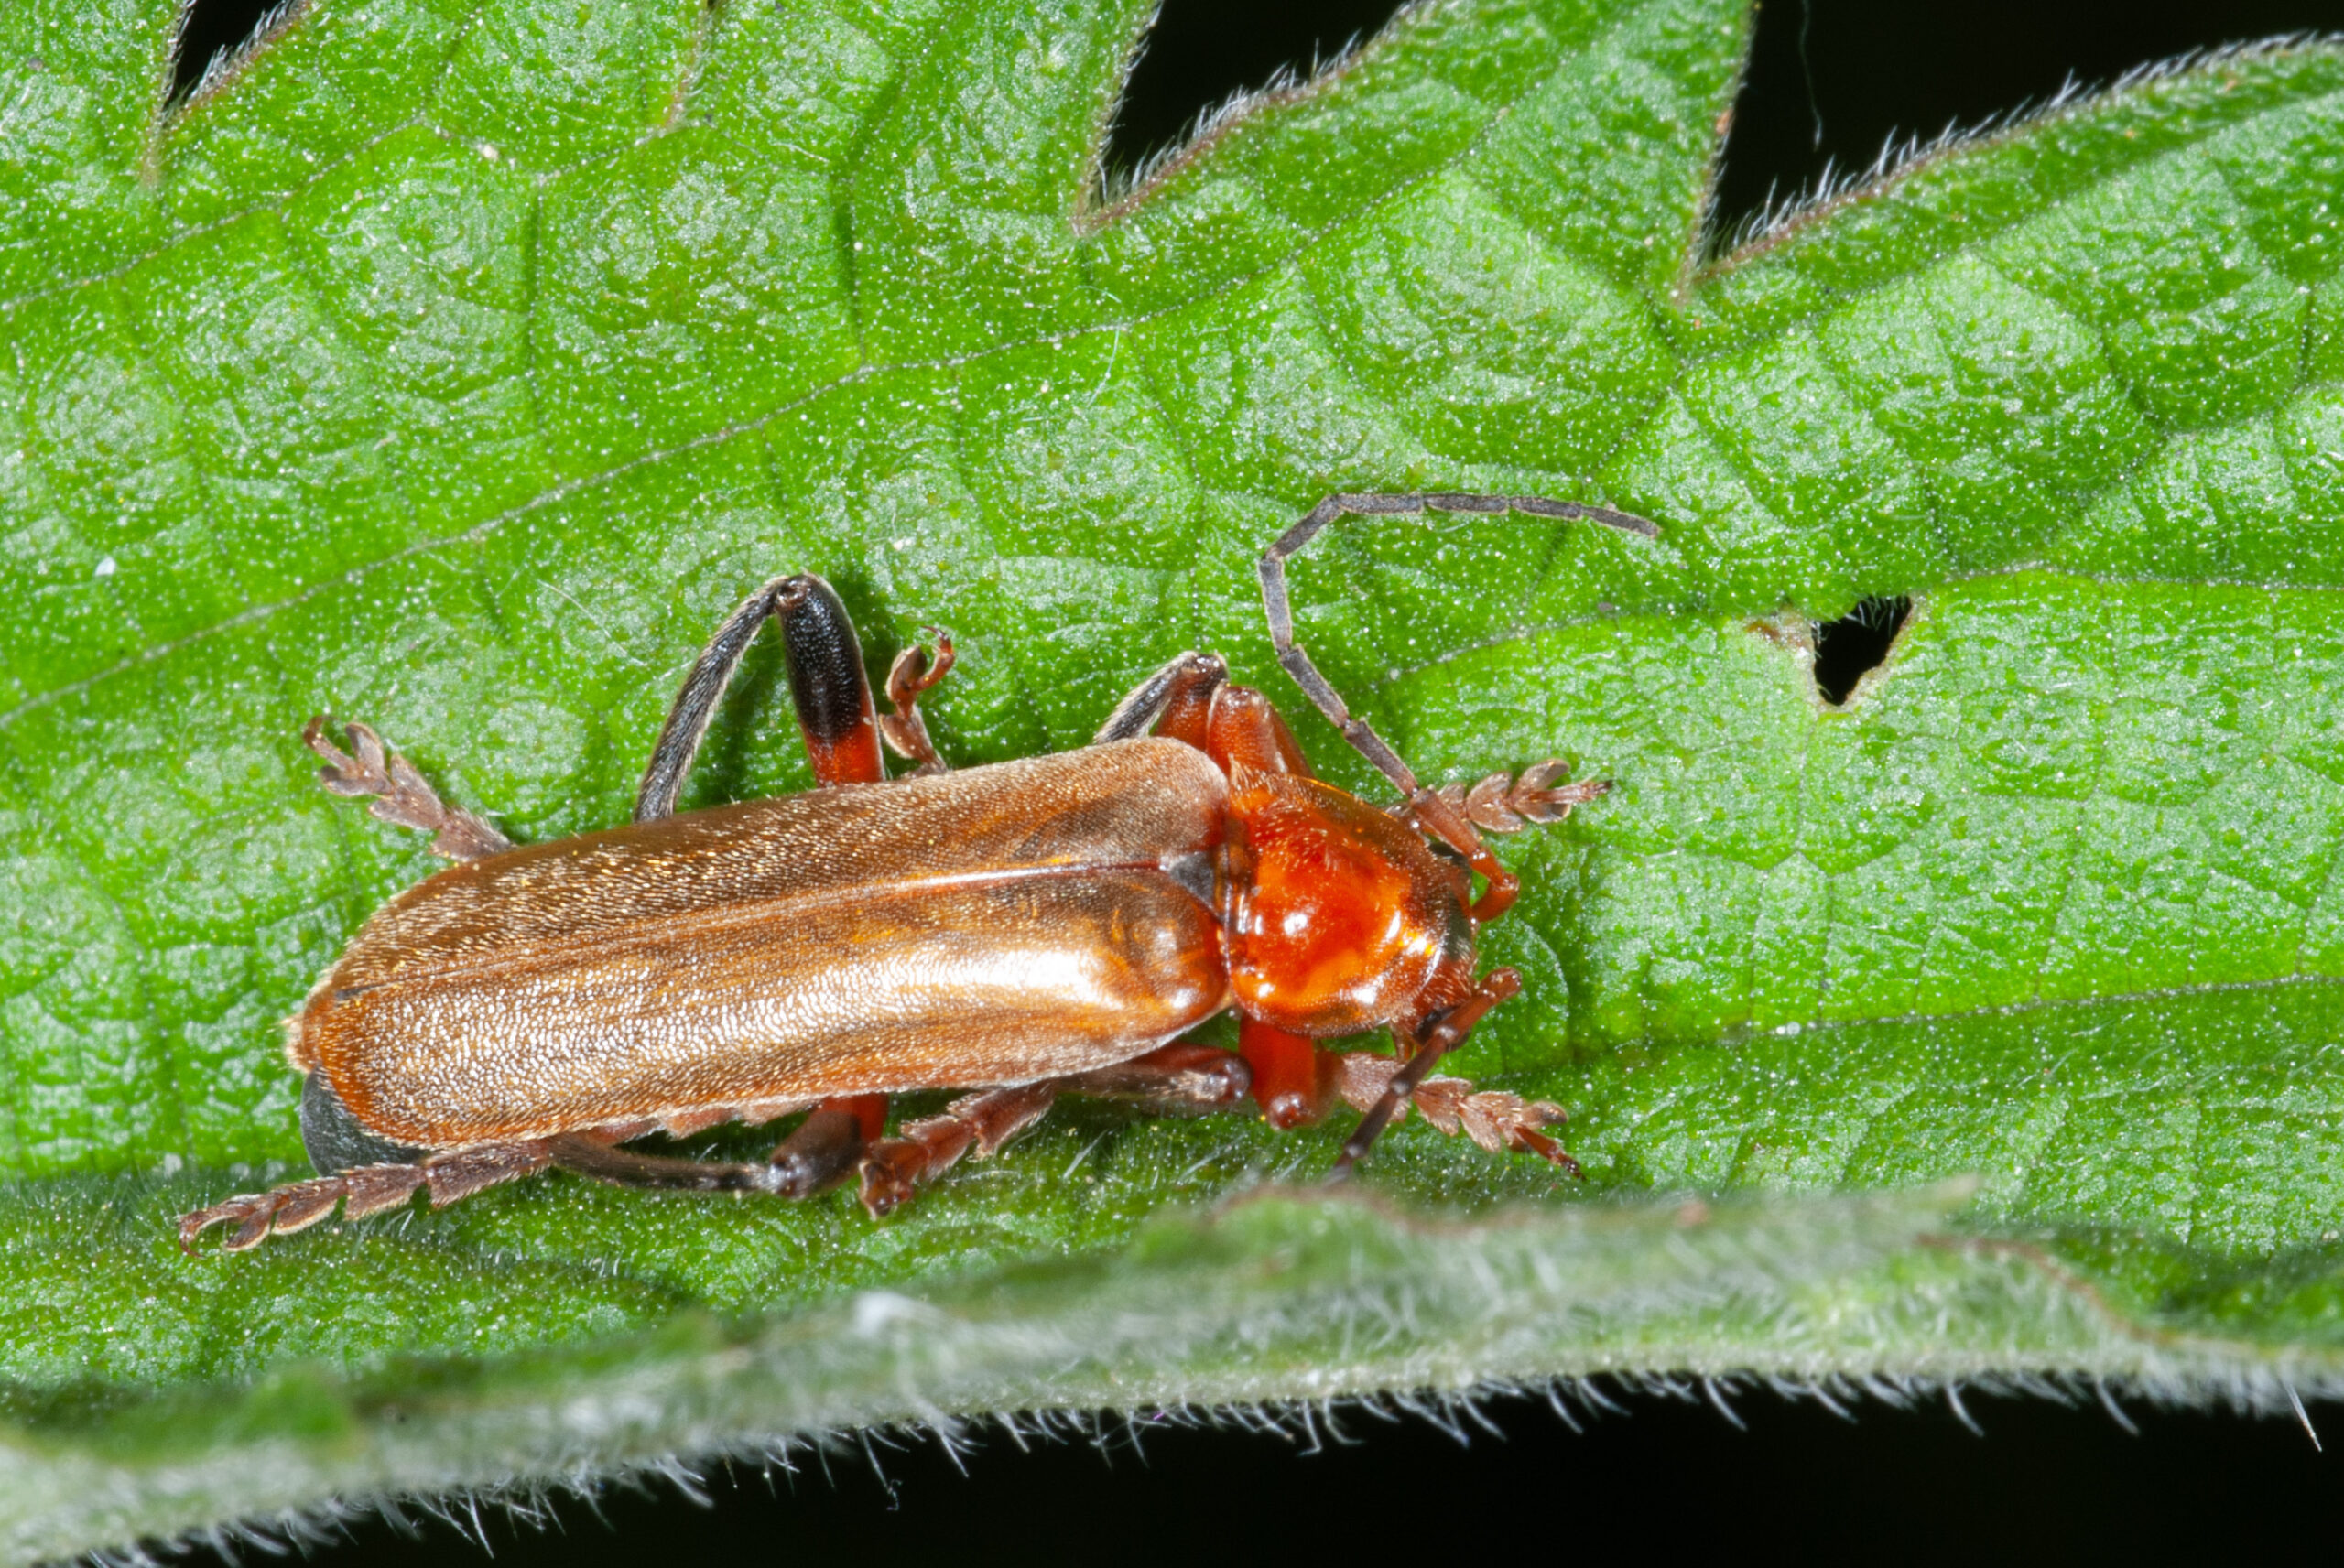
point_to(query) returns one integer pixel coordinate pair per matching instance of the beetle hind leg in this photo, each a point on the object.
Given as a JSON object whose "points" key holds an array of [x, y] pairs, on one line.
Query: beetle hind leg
{"points": [[1179, 1079], [828, 1146], [824, 1151], [625, 1168]]}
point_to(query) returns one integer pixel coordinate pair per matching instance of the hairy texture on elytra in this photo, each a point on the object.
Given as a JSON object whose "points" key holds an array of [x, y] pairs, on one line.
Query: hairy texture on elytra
{"points": [[1007, 923]]}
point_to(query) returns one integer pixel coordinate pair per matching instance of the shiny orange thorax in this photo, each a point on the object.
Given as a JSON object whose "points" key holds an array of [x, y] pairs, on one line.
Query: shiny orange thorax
{"points": [[1337, 918]]}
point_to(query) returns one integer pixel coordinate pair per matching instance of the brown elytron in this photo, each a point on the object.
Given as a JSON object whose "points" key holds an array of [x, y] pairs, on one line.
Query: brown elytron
{"points": [[1002, 924], [1036, 927]]}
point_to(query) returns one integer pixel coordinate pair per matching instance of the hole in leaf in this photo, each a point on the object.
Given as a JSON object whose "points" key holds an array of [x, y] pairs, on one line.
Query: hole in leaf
{"points": [[1847, 648], [1201, 52], [213, 29]]}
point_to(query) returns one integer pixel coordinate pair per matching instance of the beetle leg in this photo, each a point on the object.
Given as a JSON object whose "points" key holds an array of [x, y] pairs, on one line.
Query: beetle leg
{"points": [[1429, 813], [254, 1217], [926, 1149], [913, 672], [369, 1189], [828, 1144], [1245, 729], [1498, 1121], [401, 796], [1175, 701], [1497, 805], [461, 1173], [827, 687], [1403, 1077], [822, 1151], [1503, 804], [1179, 1078], [1451, 827], [624, 1168], [1294, 1080]]}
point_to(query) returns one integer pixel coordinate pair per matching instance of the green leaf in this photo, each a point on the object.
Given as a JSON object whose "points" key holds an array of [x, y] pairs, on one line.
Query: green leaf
{"points": [[456, 367]]}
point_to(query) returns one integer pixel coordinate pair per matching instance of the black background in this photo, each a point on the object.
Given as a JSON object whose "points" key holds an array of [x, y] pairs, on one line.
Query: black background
{"points": [[1831, 80]]}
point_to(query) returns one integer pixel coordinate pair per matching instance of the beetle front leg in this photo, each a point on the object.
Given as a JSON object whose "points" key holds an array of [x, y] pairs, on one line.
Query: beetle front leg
{"points": [[1383, 1088], [1497, 805], [1499, 1121], [1544, 795], [401, 797], [926, 1149], [1297, 1081]]}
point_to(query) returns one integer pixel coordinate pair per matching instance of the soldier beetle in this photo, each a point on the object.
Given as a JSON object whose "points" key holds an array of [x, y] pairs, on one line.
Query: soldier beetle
{"points": [[1033, 928]]}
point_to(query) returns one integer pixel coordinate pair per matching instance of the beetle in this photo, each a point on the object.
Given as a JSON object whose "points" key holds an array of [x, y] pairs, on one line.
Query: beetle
{"points": [[1022, 930]]}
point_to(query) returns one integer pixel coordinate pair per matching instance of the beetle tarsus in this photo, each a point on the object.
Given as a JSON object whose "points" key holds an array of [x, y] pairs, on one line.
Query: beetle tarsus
{"points": [[926, 1149], [1498, 1120], [1503, 804], [915, 672], [401, 796], [366, 1190]]}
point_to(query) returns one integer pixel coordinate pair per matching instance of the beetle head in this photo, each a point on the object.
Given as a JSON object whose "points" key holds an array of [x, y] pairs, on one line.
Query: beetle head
{"points": [[1339, 918]]}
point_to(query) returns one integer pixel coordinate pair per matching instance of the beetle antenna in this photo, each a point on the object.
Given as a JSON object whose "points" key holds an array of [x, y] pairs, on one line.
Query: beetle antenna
{"points": [[1297, 663]]}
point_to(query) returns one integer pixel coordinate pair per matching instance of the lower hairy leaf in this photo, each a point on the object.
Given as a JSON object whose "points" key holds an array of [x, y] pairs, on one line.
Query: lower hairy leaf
{"points": [[1280, 1298]]}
